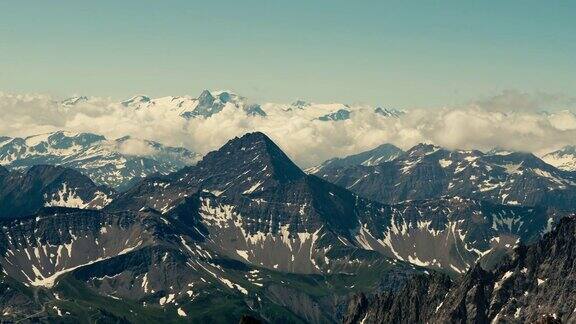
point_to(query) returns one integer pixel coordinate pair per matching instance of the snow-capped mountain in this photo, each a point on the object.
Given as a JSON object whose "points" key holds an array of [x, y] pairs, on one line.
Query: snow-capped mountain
{"points": [[428, 171], [205, 105], [24, 193], [115, 163], [563, 159], [212, 102], [380, 154]]}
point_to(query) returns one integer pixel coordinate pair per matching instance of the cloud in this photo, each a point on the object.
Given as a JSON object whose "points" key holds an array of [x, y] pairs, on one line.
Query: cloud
{"points": [[135, 147], [509, 120]]}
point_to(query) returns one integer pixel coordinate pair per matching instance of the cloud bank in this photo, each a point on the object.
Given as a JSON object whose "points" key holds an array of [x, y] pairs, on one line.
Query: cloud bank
{"points": [[511, 120]]}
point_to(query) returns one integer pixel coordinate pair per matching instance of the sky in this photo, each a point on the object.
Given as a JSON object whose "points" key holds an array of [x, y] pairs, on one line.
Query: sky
{"points": [[392, 53]]}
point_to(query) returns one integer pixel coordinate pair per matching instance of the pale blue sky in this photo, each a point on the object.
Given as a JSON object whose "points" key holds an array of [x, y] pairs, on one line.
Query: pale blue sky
{"points": [[378, 52]]}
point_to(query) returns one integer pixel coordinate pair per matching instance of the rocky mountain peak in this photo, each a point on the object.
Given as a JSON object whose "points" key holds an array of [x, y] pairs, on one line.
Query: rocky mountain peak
{"points": [[136, 101], [301, 104], [423, 149], [73, 101], [205, 98], [250, 154], [389, 112]]}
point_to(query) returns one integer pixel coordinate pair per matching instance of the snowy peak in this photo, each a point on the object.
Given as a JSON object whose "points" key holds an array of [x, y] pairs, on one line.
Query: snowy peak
{"points": [[205, 105], [389, 112], [564, 159], [210, 103], [73, 101], [340, 114], [136, 101]]}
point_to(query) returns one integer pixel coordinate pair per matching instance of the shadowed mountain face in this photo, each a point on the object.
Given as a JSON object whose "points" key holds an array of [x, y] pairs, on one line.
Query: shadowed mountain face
{"points": [[23, 193], [427, 172], [535, 284]]}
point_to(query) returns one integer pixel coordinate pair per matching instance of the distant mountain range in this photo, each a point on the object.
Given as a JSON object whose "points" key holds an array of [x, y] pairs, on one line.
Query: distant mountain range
{"points": [[246, 232], [210, 103], [115, 163]]}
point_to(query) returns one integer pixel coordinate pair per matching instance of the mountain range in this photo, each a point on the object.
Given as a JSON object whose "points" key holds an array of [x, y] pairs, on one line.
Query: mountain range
{"points": [[427, 171], [213, 102], [246, 232], [115, 163]]}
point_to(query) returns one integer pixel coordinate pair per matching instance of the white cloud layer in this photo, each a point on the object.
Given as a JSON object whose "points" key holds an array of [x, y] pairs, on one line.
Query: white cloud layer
{"points": [[508, 121]]}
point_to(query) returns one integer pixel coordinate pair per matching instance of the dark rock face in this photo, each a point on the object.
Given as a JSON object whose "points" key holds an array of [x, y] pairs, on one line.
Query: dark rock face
{"points": [[44, 185], [3, 171], [536, 284], [427, 172], [414, 303]]}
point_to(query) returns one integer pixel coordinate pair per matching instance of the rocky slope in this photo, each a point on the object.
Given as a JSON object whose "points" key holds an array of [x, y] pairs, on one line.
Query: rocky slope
{"points": [[144, 266], [427, 171], [536, 284], [23, 193], [115, 163]]}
